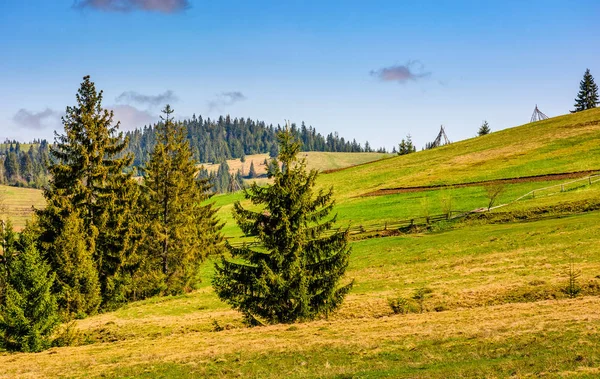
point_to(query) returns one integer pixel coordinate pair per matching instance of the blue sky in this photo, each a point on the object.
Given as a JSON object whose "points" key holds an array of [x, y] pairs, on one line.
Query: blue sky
{"points": [[374, 70]]}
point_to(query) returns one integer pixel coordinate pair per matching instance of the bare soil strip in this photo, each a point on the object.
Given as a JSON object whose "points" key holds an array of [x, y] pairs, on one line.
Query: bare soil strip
{"points": [[523, 179]]}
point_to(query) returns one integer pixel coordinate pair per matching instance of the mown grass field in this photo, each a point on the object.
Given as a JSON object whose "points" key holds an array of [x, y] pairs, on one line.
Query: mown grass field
{"points": [[496, 303]]}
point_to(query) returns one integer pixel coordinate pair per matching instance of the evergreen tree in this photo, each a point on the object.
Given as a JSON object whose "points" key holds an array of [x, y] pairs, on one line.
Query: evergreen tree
{"points": [[28, 311], [296, 273], [252, 172], [484, 129], [587, 98], [181, 230], [88, 178], [77, 282], [11, 166], [406, 146]]}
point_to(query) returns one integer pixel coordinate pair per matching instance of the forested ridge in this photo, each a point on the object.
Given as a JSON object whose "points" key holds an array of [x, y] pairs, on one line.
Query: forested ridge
{"points": [[213, 141]]}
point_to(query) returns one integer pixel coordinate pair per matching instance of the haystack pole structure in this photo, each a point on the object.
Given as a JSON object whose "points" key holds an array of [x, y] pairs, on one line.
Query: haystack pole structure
{"points": [[538, 115], [441, 139]]}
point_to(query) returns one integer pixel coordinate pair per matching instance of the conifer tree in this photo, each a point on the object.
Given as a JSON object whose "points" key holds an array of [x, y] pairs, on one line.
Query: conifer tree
{"points": [[77, 282], [406, 146], [252, 171], [296, 274], [88, 178], [484, 129], [587, 98], [182, 230], [28, 310]]}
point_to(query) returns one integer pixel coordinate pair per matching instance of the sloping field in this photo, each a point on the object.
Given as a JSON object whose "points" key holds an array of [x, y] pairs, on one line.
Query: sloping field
{"points": [[562, 144], [496, 309]]}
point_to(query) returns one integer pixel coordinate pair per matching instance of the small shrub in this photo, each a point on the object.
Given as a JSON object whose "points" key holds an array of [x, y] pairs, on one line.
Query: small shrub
{"points": [[420, 295], [573, 288], [69, 335], [216, 327], [400, 305]]}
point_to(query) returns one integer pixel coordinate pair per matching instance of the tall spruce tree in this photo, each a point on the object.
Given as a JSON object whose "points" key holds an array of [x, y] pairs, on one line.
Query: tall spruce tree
{"points": [[587, 98], [484, 129], [88, 178], [296, 274], [28, 309], [182, 230]]}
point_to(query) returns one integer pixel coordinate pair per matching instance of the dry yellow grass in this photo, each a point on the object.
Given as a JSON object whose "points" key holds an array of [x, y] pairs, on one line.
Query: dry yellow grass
{"points": [[18, 204], [486, 325], [314, 160]]}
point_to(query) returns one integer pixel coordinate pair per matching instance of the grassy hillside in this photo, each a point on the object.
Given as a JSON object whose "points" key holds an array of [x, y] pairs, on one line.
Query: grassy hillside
{"points": [[496, 309], [560, 144], [563, 144], [16, 204]]}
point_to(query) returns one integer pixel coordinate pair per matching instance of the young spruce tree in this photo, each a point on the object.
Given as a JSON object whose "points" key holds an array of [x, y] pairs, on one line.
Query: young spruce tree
{"points": [[28, 309], [88, 178], [296, 273], [587, 98], [182, 230], [484, 129]]}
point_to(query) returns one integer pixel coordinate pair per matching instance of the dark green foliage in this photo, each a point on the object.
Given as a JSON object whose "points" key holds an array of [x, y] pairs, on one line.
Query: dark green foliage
{"points": [[484, 129], [77, 282], [223, 181], [587, 98], [252, 173], [181, 231], [24, 168], [406, 146], [214, 141], [88, 178], [295, 275], [28, 309]]}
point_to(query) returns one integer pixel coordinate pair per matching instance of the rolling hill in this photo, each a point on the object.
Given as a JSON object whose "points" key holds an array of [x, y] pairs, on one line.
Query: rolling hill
{"points": [[496, 303]]}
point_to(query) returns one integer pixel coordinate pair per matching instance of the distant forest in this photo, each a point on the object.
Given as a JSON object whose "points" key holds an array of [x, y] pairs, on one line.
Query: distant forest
{"points": [[24, 165], [211, 141], [214, 141]]}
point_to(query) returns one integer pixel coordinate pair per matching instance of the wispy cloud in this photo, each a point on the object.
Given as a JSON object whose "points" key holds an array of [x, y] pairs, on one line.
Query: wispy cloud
{"points": [[35, 120], [132, 118], [411, 71], [125, 6], [225, 99], [147, 100]]}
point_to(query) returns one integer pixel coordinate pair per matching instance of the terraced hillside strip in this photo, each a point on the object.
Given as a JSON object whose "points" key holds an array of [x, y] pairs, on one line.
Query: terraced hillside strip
{"points": [[524, 179]]}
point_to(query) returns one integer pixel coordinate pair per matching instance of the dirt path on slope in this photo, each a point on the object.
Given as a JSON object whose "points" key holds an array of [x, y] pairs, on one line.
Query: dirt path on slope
{"points": [[523, 179]]}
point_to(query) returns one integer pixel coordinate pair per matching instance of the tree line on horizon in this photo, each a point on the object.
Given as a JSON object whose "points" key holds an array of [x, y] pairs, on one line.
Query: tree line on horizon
{"points": [[214, 141]]}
